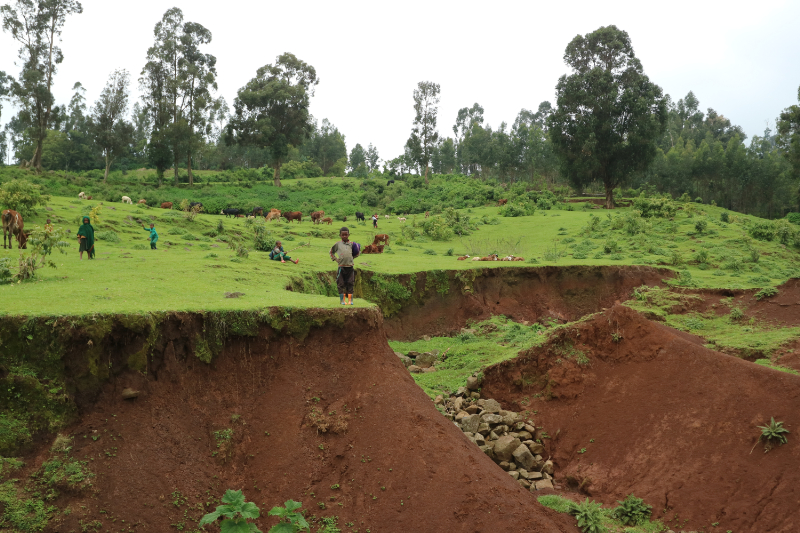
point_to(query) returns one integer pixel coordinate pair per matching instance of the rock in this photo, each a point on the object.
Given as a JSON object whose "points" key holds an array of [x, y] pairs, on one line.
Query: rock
{"points": [[413, 354], [504, 448], [536, 448], [491, 406], [404, 359], [523, 457], [462, 391], [543, 484], [515, 475], [458, 403], [473, 409], [524, 483], [449, 416], [479, 440], [501, 429], [414, 369], [529, 428], [484, 429], [469, 330], [425, 360], [520, 426], [503, 464], [475, 396], [439, 400], [490, 418], [429, 369], [129, 394], [548, 468], [460, 416], [474, 383], [511, 419], [470, 423], [488, 450], [481, 403], [524, 435], [535, 476], [426, 338], [547, 476], [493, 436]]}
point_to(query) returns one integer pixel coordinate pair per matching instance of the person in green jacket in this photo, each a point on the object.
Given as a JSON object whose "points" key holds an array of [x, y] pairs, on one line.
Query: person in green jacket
{"points": [[277, 254], [86, 237], [153, 235]]}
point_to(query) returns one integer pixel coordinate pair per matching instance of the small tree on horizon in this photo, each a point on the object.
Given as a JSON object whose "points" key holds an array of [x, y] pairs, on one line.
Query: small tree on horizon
{"points": [[424, 135], [109, 129]]}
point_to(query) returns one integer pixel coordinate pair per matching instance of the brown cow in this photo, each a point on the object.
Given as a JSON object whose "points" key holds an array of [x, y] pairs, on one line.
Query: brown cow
{"points": [[274, 214], [293, 215], [502, 202], [142, 201], [380, 248], [316, 216], [381, 238], [13, 225], [328, 220], [463, 257], [370, 249], [89, 197], [166, 205], [427, 214]]}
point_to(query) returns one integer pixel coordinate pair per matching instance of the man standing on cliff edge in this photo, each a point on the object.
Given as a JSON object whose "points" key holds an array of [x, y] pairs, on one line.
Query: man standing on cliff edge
{"points": [[343, 252]]}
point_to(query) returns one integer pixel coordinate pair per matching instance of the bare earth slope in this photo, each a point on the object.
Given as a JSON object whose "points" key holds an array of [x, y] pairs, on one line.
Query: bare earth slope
{"points": [[662, 417]]}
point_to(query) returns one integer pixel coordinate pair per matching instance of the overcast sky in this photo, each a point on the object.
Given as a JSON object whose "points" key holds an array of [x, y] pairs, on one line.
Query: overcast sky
{"points": [[741, 58]]}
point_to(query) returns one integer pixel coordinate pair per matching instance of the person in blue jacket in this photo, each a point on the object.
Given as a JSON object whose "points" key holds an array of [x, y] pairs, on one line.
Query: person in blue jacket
{"points": [[153, 235]]}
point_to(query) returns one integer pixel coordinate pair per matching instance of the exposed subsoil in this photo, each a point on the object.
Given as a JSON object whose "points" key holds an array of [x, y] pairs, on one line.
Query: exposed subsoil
{"points": [[532, 294], [398, 463], [658, 415]]}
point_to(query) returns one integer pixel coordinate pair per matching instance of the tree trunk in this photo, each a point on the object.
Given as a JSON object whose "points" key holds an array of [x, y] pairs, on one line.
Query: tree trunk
{"points": [[108, 164], [189, 168], [276, 178], [175, 167], [426, 174], [36, 160], [609, 196]]}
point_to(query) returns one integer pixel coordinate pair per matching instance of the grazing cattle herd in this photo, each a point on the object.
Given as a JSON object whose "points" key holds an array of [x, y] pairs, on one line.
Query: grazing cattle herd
{"points": [[13, 224]]}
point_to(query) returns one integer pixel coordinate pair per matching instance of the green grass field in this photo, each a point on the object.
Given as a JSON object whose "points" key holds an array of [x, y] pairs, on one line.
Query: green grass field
{"points": [[193, 271]]}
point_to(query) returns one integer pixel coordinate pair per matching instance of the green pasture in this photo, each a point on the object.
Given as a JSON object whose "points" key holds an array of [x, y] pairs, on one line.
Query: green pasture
{"points": [[193, 268]]}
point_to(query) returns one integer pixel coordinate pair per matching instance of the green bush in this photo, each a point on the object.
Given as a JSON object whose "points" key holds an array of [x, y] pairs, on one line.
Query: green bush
{"points": [[785, 231], [725, 217], [700, 226], [109, 236], [22, 196], [589, 515], [794, 218], [235, 513], [766, 292], [658, 206], [763, 230], [773, 433], [518, 210], [632, 511]]}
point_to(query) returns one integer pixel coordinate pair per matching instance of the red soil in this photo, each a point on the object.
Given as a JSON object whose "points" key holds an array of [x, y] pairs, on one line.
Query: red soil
{"points": [[671, 421], [399, 465], [532, 294]]}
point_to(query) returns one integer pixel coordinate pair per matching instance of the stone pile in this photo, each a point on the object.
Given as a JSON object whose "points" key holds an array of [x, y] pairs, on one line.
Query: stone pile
{"points": [[418, 363], [506, 437]]}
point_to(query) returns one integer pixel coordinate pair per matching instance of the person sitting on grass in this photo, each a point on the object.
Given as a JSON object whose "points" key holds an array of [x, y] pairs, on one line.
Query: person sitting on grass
{"points": [[153, 235], [86, 237], [277, 254]]}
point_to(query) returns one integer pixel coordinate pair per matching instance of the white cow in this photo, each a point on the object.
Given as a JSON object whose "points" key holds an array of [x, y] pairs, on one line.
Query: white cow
{"points": [[126, 200], [82, 195], [402, 219]]}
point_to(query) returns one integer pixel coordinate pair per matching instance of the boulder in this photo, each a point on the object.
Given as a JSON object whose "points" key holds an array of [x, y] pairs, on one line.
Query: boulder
{"points": [[501, 429], [475, 395], [515, 475], [548, 468], [458, 403], [505, 465], [524, 435], [439, 400], [491, 419], [491, 406], [504, 448], [484, 429], [413, 354], [523, 457], [470, 423], [543, 484], [535, 476], [426, 359], [404, 359], [524, 484], [488, 450], [429, 369], [474, 383], [426, 338], [511, 419], [129, 394], [473, 409], [462, 391], [529, 428], [414, 369], [493, 436], [479, 440], [536, 448], [460, 416], [481, 403]]}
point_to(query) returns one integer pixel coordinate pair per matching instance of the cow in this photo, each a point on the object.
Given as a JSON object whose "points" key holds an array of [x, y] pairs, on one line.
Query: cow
{"points": [[390, 182], [166, 205], [427, 214], [502, 202], [293, 215], [192, 204], [370, 249], [13, 225], [381, 238], [230, 212], [492, 257], [386, 217], [257, 211], [344, 219], [463, 258], [273, 214], [142, 201], [518, 259], [126, 200], [402, 219], [360, 217], [316, 216], [89, 197], [327, 220], [380, 248], [82, 195]]}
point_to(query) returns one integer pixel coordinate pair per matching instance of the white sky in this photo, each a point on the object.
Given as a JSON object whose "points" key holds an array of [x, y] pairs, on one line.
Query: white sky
{"points": [[741, 58]]}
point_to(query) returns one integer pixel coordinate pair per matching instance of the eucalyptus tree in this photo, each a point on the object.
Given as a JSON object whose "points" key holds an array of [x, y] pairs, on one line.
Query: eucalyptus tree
{"points": [[111, 133], [326, 146], [789, 136], [271, 111], [177, 84], [37, 26], [372, 157], [424, 134], [467, 121], [5, 87], [608, 115], [358, 157]]}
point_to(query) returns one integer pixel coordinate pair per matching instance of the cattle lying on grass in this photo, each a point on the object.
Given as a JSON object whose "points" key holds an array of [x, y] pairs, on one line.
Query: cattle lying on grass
{"points": [[126, 200], [142, 201], [13, 225], [230, 212], [512, 258], [316, 216], [492, 257], [463, 257], [293, 215], [166, 205], [327, 220]]}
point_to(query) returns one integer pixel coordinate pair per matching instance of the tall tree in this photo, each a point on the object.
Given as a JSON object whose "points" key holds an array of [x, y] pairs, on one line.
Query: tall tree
{"points": [[76, 125], [609, 114], [37, 25], [112, 134], [372, 157], [358, 157], [5, 87], [271, 111], [326, 146], [467, 120], [424, 134], [789, 136]]}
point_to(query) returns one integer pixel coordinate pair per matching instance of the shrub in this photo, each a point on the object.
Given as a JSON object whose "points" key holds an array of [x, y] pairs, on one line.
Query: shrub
{"points": [[437, 229], [766, 292], [736, 314], [429, 251], [611, 247], [291, 517], [774, 432], [700, 226], [589, 515], [763, 230], [518, 210], [725, 217], [632, 511], [661, 207], [794, 218], [701, 256], [449, 252], [109, 236], [785, 231], [235, 513], [22, 196]]}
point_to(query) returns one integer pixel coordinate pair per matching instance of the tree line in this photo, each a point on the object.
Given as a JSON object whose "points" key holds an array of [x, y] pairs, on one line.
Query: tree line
{"points": [[610, 130]]}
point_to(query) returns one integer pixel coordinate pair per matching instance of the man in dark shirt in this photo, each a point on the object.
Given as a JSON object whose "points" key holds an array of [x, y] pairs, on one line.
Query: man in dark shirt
{"points": [[343, 252]]}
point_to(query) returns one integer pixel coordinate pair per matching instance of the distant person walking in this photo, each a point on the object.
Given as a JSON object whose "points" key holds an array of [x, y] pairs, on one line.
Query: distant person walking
{"points": [[86, 238], [343, 252], [375, 221], [153, 236]]}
